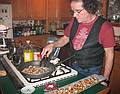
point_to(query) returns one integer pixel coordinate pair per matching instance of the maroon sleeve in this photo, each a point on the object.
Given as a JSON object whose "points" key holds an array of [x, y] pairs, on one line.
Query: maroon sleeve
{"points": [[68, 28], [107, 35]]}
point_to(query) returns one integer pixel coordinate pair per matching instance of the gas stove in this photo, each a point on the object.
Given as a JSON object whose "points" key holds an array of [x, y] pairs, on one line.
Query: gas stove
{"points": [[61, 72]]}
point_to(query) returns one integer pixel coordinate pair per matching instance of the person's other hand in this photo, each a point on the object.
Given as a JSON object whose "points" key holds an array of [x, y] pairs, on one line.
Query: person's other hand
{"points": [[47, 50]]}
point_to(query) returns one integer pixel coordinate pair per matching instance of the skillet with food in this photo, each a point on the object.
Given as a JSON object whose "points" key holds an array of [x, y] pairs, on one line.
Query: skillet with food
{"points": [[36, 69], [39, 69]]}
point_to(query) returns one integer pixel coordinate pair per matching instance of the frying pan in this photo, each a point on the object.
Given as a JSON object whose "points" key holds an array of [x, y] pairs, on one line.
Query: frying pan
{"points": [[45, 62], [42, 63]]}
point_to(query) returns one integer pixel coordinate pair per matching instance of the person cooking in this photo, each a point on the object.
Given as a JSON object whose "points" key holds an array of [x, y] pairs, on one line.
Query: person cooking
{"points": [[91, 39]]}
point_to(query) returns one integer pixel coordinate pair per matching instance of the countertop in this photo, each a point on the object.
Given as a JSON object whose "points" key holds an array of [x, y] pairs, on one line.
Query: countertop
{"points": [[8, 87]]}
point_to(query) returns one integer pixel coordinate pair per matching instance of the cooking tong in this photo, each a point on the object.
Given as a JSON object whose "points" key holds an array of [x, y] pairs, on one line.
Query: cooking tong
{"points": [[68, 58], [52, 56]]}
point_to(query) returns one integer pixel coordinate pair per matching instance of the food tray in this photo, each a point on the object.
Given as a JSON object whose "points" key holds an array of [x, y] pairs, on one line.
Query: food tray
{"points": [[79, 86]]}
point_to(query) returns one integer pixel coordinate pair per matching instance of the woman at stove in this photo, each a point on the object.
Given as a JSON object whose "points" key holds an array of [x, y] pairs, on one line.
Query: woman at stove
{"points": [[91, 39]]}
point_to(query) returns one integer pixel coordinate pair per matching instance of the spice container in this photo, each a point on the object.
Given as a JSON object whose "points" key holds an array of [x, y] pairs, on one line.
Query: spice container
{"points": [[37, 54]]}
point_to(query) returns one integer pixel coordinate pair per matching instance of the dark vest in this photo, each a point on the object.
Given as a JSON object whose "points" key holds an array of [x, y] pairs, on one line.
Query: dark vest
{"points": [[92, 52]]}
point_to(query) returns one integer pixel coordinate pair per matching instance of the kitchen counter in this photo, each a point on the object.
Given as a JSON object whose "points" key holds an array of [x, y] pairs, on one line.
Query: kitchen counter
{"points": [[8, 87], [37, 40]]}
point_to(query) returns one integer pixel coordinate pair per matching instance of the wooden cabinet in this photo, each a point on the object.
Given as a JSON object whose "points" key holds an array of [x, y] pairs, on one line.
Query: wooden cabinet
{"points": [[115, 76], [51, 9], [40, 9], [64, 9], [58, 9], [28, 9], [19, 9], [36, 9]]}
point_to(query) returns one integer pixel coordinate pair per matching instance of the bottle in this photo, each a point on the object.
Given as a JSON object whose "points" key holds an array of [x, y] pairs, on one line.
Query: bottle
{"points": [[20, 51], [15, 56], [28, 52]]}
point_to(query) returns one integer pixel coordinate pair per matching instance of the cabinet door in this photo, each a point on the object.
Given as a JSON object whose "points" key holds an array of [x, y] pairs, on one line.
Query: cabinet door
{"points": [[58, 9], [19, 9], [64, 9], [36, 9], [52, 11]]}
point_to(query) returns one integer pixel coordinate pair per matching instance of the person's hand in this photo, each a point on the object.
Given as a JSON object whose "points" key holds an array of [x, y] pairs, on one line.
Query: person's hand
{"points": [[47, 50]]}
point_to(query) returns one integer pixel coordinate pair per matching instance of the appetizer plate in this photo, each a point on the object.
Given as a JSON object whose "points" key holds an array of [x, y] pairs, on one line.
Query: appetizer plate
{"points": [[79, 86]]}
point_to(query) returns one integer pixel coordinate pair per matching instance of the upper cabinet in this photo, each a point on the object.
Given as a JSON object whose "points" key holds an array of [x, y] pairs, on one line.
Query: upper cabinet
{"points": [[58, 9], [19, 9], [64, 9], [36, 9], [40, 9], [28, 9], [51, 9]]}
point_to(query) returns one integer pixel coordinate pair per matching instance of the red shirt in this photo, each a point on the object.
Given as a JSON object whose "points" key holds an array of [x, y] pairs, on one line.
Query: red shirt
{"points": [[106, 36]]}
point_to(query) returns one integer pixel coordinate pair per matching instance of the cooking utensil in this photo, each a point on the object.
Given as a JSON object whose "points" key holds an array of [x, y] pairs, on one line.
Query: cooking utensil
{"points": [[50, 67], [68, 58], [45, 62], [54, 53]]}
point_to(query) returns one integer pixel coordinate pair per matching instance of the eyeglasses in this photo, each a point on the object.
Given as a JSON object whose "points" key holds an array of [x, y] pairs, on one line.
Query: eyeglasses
{"points": [[77, 11]]}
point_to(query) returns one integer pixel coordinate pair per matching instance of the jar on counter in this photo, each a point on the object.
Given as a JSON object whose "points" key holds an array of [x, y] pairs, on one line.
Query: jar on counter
{"points": [[37, 54]]}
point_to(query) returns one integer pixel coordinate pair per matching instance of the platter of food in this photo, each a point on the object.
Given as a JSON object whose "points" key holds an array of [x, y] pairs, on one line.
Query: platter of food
{"points": [[79, 86]]}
